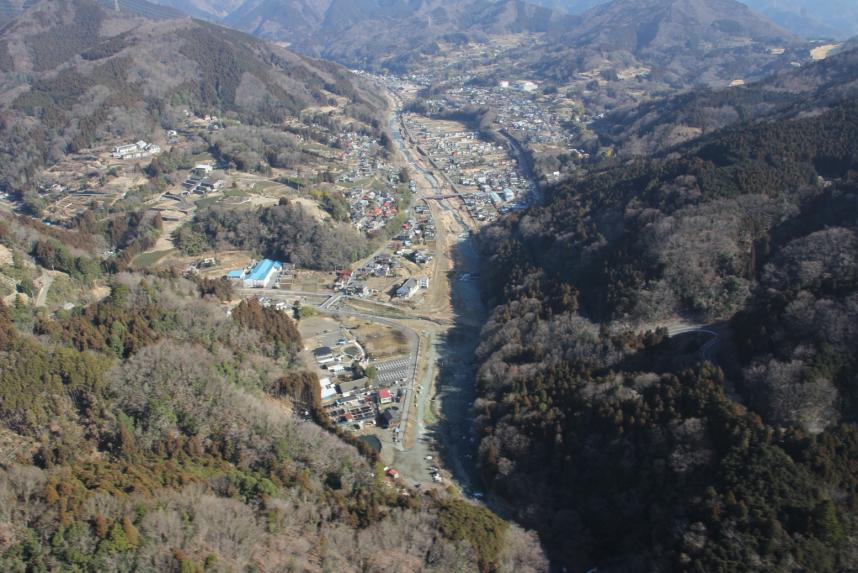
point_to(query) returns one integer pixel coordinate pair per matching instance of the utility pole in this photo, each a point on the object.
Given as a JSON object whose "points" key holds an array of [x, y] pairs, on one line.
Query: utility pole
{"points": [[116, 5]]}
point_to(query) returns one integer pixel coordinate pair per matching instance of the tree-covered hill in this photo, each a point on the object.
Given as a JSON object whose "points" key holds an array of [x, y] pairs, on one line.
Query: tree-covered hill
{"points": [[150, 430]]}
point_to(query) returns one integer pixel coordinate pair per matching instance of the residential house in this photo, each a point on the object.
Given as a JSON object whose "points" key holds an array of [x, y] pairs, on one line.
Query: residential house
{"points": [[384, 396]]}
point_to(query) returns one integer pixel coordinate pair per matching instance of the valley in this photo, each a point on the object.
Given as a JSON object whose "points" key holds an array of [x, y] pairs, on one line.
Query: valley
{"points": [[449, 285]]}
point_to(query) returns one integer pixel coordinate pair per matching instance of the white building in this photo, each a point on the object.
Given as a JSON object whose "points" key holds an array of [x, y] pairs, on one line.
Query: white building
{"points": [[408, 289], [327, 389], [527, 86], [136, 150]]}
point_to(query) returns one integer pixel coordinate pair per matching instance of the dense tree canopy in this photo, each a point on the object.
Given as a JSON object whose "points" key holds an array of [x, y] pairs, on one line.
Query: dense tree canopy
{"points": [[625, 450]]}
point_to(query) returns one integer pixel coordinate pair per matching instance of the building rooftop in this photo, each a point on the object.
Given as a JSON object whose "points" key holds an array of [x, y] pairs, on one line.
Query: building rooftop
{"points": [[262, 268]]}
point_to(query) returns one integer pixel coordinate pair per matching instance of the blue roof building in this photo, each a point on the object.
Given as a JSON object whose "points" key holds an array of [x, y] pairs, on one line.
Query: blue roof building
{"points": [[262, 275]]}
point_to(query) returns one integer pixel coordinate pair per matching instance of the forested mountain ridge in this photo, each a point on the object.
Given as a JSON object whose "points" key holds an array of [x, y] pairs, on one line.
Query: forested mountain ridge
{"points": [[632, 454], [642, 26], [73, 75]]}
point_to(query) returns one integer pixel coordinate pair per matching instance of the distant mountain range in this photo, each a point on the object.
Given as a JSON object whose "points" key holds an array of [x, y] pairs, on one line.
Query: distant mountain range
{"points": [[358, 32], [11, 9], [647, 26], [671, 34], [836, 19]]}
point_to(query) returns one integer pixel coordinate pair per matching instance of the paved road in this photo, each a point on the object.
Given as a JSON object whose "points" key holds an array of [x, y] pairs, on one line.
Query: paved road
{"points": [[279, 292]]}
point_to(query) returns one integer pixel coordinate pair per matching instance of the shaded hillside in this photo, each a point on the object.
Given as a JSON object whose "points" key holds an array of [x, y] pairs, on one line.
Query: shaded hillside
{"points": [[293, 21], [661, 124], [626, 451], [76, 75]]}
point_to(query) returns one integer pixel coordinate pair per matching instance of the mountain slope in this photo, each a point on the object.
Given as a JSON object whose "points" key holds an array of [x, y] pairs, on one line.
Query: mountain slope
{"points": [[293, 21], [206, 9], [11, 9], [74, 74], [661, 124]]}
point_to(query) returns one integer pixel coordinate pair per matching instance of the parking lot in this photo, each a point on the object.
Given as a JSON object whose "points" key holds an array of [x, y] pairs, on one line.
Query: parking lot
{"points": [[391, 371]]}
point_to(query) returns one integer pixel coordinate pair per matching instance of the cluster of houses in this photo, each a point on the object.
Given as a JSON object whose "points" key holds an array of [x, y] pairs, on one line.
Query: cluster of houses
{"points": [[199, 181], [136, 150], [424, 225], [210, 122], [420, 229], [371, 209], [381, 266], [262, 274], [538, 119], [350, 283], [354, 402], [359, 406], [362, 153], [478, 168]]}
